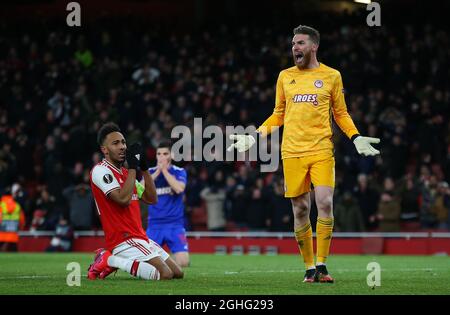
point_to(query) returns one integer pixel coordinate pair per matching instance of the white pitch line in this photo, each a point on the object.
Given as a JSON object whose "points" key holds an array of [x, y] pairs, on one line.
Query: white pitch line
{"points": [[335, 270], [36, 277], [26, 277]]}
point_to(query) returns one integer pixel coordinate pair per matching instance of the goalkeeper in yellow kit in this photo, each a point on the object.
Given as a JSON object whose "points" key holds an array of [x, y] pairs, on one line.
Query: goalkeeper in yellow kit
{"points": [[308, 95]]}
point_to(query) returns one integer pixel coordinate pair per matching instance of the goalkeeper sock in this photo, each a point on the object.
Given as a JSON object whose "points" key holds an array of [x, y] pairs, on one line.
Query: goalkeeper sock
{"points": [[324, 229], [135, 268], [303, 235]]}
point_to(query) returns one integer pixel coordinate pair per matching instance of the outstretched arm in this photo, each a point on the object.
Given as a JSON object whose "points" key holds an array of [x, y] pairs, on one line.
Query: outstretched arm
{"points": [[244, 142]]}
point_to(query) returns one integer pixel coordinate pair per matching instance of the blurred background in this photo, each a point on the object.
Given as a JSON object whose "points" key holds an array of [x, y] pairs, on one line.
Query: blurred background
{"points": [[152, 65]]}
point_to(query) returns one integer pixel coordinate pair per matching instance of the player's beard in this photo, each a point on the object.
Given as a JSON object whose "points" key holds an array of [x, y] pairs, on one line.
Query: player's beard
{"points": [[117, 159]]}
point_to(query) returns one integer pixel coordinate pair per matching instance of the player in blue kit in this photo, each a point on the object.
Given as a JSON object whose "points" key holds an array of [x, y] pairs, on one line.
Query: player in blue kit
{"points": [[166, 217]]}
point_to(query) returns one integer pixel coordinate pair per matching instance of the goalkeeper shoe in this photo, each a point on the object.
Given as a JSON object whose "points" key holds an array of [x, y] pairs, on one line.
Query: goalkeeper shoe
{"points": [[100, 263], [322, 275], [309, 275]]}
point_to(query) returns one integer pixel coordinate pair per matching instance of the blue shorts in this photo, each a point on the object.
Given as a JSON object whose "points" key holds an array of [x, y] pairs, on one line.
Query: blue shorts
{"points": [[174, 237]]}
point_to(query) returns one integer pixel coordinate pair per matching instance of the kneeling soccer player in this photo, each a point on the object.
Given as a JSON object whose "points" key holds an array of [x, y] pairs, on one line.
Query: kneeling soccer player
{"points": [[116, 194]]}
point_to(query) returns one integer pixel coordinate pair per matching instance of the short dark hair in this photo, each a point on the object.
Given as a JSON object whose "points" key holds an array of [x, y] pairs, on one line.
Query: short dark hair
{"points": [[105, 130], [165, 144], [314, 34]]}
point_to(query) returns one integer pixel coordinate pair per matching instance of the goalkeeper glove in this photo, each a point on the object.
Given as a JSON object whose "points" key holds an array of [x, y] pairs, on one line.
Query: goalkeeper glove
{"points": [[363, 146], [134, 155], [243, 143]]}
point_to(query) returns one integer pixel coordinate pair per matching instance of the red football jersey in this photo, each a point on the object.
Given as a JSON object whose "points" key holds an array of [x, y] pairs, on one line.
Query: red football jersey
{"points": [[119, 223]]}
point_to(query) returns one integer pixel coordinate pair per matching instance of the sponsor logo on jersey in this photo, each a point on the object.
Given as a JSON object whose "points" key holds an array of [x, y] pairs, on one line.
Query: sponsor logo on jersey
{"points": [[163, 190], [292, 82], [305, 98]]}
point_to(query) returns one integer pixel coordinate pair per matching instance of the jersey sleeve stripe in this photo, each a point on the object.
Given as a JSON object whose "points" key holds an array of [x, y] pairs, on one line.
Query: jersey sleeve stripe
{"points": [[114, 188]]}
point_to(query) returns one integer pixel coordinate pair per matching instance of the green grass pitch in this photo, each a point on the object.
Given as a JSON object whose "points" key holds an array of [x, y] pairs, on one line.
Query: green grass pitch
{"points": [[229, 275]]}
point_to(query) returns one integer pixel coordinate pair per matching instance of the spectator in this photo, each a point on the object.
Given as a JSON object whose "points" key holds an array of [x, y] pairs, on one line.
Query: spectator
{"points": [[257, 208], [410, 195], [21, 197], [347, 215], [12, 219], [81, 208], [62, 241], [280, 217], [60, 108], [429, 191], [367, 199], [45, 214], [7, 166], [389, 209], [440, 207], [230, 187], [215, 202], [239, 206]]}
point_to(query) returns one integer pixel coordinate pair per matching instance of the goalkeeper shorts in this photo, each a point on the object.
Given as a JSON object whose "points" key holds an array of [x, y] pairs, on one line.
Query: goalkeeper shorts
{"points": [[299, 172]]}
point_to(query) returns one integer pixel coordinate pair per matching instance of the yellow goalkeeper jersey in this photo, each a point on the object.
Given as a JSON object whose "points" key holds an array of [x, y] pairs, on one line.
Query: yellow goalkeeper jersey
{"points": [[306, 101]]}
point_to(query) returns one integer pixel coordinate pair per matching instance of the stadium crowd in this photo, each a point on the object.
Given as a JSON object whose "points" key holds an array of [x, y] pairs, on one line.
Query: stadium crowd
{"points": [[58, 87]]}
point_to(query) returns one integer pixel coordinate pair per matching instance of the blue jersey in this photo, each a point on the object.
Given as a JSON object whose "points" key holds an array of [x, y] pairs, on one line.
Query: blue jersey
{"points": [[169, 210]]}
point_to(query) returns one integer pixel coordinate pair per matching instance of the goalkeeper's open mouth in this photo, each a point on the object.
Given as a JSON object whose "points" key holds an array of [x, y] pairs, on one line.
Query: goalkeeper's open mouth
{"points": [[299, 57]]}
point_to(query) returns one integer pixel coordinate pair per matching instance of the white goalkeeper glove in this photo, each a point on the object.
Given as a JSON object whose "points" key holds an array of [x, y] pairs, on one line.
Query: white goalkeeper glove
{"points": [[243, 143], [363, 146]]}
